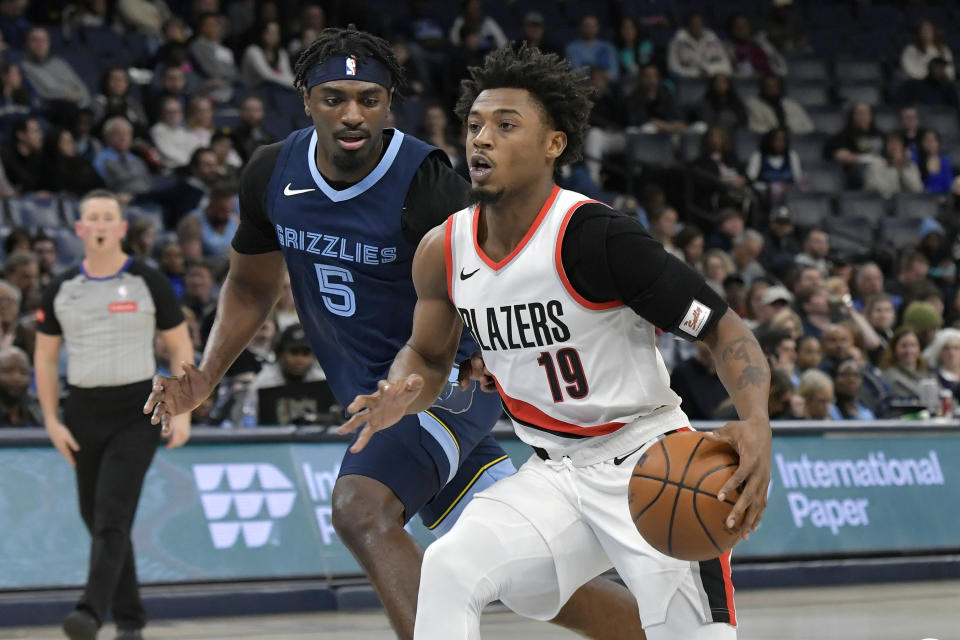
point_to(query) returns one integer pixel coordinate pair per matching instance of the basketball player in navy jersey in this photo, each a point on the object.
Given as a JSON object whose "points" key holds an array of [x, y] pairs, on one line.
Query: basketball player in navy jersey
{"points": [[342, 205], [563, 294]]}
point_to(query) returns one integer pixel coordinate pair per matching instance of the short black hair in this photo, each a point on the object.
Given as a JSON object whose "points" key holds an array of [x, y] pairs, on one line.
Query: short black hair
{"points": [[563, 92], [344, 42]]}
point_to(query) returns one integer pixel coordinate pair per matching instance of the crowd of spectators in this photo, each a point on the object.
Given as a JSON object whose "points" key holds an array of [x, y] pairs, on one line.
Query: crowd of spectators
{"points": [[814, 189]]}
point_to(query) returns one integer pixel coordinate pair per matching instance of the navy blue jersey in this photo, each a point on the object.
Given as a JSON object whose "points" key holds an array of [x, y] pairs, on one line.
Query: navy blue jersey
{"points": [[349, 253]]}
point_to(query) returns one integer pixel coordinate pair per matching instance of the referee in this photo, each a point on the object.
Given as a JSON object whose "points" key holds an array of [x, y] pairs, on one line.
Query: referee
{"points": [[107, 311]]}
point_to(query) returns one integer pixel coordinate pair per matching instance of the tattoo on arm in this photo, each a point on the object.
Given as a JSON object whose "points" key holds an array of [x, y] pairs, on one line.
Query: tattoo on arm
{"points": [[752, 374]]}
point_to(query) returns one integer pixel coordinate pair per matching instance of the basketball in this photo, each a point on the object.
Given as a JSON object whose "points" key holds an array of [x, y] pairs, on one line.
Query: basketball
{"points": [[673, 496]]}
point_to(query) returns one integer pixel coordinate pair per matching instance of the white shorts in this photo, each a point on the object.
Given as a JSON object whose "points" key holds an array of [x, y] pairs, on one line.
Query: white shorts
{"points": [[583, 516]]}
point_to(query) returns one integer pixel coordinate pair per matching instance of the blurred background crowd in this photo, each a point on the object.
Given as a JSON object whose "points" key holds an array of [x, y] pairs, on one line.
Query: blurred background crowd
{"points": [[801, 155]]}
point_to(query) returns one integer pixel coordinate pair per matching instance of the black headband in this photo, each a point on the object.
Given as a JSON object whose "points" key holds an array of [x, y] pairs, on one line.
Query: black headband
{"points": [[349, 68]]}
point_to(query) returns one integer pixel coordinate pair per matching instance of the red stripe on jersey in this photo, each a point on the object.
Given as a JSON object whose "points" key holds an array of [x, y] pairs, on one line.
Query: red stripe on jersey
{"points": [[496, 266], [528, 413], [448, 255], [583, 302], [728, 586]]}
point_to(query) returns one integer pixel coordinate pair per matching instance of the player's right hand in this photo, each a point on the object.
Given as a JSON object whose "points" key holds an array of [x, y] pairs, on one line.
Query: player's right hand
{"points": [[173, 395], [381, 409], [475, 369], [63, 440]]}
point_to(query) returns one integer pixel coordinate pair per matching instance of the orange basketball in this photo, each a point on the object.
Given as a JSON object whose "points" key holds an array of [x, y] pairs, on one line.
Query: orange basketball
{"points": [[673, 496]]}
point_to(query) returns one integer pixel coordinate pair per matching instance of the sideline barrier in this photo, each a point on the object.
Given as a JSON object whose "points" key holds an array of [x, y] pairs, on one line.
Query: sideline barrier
{"points": [[255, 504]]}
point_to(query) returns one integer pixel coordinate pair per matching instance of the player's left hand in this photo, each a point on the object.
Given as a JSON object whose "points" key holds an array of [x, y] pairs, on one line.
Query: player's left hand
{"points": [[179, 431], [751, 440], [381, 409], [474, 369]]}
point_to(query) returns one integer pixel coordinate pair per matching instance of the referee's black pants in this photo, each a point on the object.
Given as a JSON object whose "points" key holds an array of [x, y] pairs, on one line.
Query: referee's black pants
{"points": [[117, 444]]}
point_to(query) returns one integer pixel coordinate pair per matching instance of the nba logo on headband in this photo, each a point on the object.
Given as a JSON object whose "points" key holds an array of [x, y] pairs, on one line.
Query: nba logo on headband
{"points": [[351, 68]]}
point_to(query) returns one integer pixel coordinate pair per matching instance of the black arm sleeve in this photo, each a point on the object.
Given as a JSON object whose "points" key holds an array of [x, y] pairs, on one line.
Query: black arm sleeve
{"points": [[436, 191], [46, 316], [609, 256], [255, 233], [169, 312]]}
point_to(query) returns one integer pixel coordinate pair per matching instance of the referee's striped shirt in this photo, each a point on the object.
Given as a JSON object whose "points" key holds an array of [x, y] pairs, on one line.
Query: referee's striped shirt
{"points": [[109, 324]]}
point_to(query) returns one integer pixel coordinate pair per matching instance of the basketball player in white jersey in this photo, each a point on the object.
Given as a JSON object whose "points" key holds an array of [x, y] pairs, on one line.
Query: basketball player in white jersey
{"points": [[563, 294]]}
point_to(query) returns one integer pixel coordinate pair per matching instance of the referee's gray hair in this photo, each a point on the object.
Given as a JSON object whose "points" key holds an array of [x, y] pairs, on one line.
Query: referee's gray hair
{"points": [[100, 193]]}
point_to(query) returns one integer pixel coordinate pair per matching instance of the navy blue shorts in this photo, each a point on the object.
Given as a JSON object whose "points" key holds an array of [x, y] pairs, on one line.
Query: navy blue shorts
{"points": [[448, 449]]}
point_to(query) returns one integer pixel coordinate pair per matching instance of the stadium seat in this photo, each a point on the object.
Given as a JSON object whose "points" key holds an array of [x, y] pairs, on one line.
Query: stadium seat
{"points": [[861, 204], [70, 211], [850, 93], [942, 120], [810, 94], [900, 234], [689, 147], [33, 212], [851, 234], [827, 120], [886, 119], [153, 213], [746, 87], [653, 149], [824, 178], [745, 143], [690, 90], [808, 70], [857, 71], [808, 209], [809, 147], [915, 206]]}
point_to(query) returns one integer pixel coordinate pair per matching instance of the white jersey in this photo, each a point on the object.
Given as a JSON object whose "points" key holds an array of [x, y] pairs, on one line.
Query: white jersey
{"points": [[571, 372]]}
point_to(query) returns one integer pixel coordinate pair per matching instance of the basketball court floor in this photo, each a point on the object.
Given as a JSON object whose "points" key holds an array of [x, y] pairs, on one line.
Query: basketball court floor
{"points": [[906, 611]]}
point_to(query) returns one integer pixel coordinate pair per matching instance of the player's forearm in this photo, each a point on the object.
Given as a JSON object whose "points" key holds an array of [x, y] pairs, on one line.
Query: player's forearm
{"points": [[434, 373], [241, 312], [741, 366]]}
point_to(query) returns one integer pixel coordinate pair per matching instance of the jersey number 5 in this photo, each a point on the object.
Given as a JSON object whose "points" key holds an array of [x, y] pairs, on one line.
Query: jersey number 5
{"points": [[568, 362], [337, 298]]}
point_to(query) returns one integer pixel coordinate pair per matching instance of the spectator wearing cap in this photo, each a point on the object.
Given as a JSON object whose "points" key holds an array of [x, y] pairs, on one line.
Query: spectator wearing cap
{"points": [[295, 363], [780, 240], [770, 109], [18, 407], [935, 90], [776, 298], [816, 247], [939, 254], [943, 358], [695, 381], [848, 382], [472, 15], [816, 389], [895, 172], [695, 51], [926, 45], [589, 50], [533, 34], [924, 320], [903, 366]]}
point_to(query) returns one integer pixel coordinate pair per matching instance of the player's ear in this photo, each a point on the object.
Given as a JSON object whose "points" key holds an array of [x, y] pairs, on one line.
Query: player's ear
{"points": [[306, 103], [556, 143]]}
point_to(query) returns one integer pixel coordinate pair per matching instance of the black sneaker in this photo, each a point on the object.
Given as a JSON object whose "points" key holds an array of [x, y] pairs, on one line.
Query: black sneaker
{"points": [[80, 625], [129, 634]]}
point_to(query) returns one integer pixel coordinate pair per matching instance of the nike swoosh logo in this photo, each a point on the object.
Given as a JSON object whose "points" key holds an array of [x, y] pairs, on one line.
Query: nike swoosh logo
{"points": [[619, 461], [287, 191], [464, 276]]}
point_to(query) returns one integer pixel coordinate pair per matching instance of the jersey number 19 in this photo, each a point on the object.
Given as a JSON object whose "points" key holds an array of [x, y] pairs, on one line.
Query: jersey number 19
{"points": [[568, 362]]}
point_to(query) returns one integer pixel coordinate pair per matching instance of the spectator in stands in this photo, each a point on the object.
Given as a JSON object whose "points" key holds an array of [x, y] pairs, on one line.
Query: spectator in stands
{"points": [[781, 351], [755, 311], [472, 15], [18, 407], [808, 276], [910, 127], [250, 133], [848, 382], [809, 353], [816, 246], [199, 288], [943, 358], [634, 49], [173, 84], [52, 77], [229, 162], [652, 106], [721, 105], [435, 130], [785, 28], [145, 16], [65, 170], [813, 303], [219, 220], [9, 313], [22, 270], [312, 21], [17, 238], [23, 155], [139, 241], [689, 241], [913, 268], [696, 51], [730, 224], [213, 60], [695, 381], [663, 227], [172, 266], [927, 44], [200, 120], [589, 50], [87, 144], [114, 99], [836, 343], [533, 34], [203, 172], [295, 363], [936, 171], [770, 108], [172, 51], [924, 320], [936, 89], [903, 366], [773, 300], [880, 312], [415, 69], [816, 389], [780, 242], [746, 249], [774, 168], [16, 97], [14, 24], [716, 176], [171, 137], [895, 172], [751, 55], [858, 144], [124, 173], [266, 61], [867, 282], [717, 265]]}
